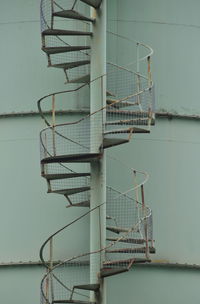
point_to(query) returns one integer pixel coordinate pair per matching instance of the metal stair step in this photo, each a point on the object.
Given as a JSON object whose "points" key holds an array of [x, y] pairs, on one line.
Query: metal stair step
{"points": [[81, 204], [70, 191], [108, 272], [121, 104], [132, 250], [127, 240], [92, 287], [72, 158], [111, 142], [83, 79], [109, 93], [127, 121], [64, 175], [119, 131], [70, 65], [126, 131], [73, 301], [126, 262], [63, 49], [117, 229], [58, 32], [94, 3], [128, 112], [71, 14]]}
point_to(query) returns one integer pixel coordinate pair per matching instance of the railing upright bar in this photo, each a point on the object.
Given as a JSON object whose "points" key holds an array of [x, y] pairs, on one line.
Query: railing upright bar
{"points": [[145, 222], [149, 71], [51, 267], [53, 124], [47, 290], [136, 187], [52, 11], [138, 81]]}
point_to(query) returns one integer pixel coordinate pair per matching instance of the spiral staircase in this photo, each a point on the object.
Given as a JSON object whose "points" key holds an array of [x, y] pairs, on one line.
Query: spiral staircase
{"points": [[67, 150]]}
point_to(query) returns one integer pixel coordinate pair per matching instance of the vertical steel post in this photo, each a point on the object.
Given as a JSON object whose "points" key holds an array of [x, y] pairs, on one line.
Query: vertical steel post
{"points": [[98, 168], [145, 222], [51, 266], [138, 75], [53, 124]]}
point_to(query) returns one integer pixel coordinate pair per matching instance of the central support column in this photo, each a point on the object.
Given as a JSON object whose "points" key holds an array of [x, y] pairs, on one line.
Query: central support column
{"points": [[98, 168]]}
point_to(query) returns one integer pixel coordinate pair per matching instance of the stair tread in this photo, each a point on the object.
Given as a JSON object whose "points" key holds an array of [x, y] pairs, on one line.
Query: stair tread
{"points": [[127, 121], [94, 3], [119, 104], [83, 79], [72, 15], [64, 175], [126, 131], [127, 240], [63, 49], [70, 65], [117, 229], [125, 261], [59, 32], [70, 191], [131, 250], [128, 112], [71, 158], [81, 204], [111, 142], [108, 272], [93, 287], [109, 94], [73, 301], [117, 131]]}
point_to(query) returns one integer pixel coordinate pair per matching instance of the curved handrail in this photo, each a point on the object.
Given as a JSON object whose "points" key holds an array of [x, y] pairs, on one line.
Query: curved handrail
{"points": [[137, 43], [50, 95], [111, 244], [101, 109]]}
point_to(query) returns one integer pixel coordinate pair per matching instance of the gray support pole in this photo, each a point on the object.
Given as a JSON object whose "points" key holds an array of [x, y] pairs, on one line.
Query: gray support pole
{"points": [[98, 168]]}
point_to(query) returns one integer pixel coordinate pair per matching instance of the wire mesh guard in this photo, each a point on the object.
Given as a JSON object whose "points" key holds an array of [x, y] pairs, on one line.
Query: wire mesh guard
{"points": [[129, 236], [59, 284], [72, 138], [129, 231], [125, 109]]}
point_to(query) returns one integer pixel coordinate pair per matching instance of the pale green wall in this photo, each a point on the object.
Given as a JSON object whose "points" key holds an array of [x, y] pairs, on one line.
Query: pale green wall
{"points": [[170, 153], [140, 285]]}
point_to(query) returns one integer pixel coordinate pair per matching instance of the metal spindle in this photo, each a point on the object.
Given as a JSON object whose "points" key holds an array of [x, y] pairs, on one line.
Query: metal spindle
{"points": [[52, 11], [53, 124], [145, 221], [46, 290], [138, 80], [51, 267], [149, 71]]}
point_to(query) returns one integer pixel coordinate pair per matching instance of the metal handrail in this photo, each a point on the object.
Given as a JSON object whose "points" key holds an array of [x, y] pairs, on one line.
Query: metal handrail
{"points": [[131, 229]]}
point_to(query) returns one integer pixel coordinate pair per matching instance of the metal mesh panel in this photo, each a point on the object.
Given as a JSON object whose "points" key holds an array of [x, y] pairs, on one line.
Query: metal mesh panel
{"points": [[68, 139], [45, 14], [78, 72], [70, 275], [125, 228]]}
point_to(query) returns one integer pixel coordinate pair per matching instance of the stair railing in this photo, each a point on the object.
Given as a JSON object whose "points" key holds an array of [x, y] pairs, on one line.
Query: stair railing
{"points": [[47, 284]]}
